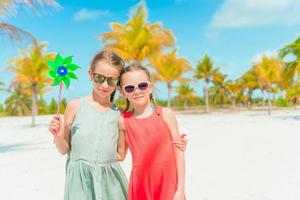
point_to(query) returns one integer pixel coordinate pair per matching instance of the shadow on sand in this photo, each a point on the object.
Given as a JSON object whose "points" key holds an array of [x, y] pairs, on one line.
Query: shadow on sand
{"points": [[13, 147]]}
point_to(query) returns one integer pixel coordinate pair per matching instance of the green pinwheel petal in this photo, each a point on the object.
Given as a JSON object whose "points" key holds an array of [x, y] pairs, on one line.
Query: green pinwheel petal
{"points": [[67, 60], [52, 73], [66, 80], [58, 60], [72, 67], [57, 80], [72, 75], [52, 65]]}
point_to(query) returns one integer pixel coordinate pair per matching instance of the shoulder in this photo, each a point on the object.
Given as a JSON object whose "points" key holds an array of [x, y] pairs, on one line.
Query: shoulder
{"points": [[72, 108], [74, 103], [167, 113]]}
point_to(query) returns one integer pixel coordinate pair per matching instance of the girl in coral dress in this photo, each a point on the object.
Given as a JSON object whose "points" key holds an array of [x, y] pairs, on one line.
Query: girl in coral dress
{"points": [[158, 168]]}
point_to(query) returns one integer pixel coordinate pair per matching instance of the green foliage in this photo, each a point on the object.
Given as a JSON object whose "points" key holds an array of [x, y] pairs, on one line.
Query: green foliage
{"points": [[1, 109], [282, 102], [52, 108], [63, 105], [42, 106]]}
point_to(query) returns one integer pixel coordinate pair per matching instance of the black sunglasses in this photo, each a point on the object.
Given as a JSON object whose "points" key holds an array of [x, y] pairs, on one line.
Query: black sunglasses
{"points": [[142, 86], [111, 81]]}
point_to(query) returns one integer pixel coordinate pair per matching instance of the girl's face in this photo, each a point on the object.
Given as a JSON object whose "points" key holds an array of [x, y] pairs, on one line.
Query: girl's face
{"points": [[135, 86], [104, 78]]}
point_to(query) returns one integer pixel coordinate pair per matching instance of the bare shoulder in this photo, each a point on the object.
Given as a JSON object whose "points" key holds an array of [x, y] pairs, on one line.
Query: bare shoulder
{"points": [[167, 113], [171, 121], [71, 109], [73, 104]]}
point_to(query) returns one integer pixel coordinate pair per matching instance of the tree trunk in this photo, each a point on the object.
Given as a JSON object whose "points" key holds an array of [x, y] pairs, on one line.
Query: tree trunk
{"points": [[233, 101], [250, 99], [263, 100], [206, 97], [169, 94], [269, 103], [294, 103], [34, 110], [185, 103]]}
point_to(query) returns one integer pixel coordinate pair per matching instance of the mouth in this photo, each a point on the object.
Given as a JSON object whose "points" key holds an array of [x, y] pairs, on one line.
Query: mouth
{"points": [[104, 91], [138, 98]]}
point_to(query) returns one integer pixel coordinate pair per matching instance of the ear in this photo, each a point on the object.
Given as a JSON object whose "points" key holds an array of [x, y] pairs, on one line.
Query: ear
{"points": [[90, 74]]}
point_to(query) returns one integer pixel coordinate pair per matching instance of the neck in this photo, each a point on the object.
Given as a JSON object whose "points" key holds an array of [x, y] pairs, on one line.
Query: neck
{"points": [[143, 109], [100, 100]]}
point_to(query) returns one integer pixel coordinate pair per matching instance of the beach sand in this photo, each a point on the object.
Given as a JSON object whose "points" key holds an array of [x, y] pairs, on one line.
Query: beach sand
{"points": [[230, 156]]}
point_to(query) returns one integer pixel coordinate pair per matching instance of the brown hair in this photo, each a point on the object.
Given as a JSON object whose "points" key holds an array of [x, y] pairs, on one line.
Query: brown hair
{"points": [[137, 67], [112, 59]]}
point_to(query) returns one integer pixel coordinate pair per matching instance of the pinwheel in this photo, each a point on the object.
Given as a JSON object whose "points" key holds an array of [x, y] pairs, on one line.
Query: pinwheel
{"points": [[61, 71]]}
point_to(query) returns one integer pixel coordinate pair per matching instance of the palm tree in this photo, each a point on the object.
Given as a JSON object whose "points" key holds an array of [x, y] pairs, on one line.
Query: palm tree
{"points": [[185, 93], [250, 82], [219, 94], [293, 94], [10, 8], [204, 70], [233, 89], [269, 71], [30, 70], [137, 39], [169, 68], [293, 68], [18, 102]]}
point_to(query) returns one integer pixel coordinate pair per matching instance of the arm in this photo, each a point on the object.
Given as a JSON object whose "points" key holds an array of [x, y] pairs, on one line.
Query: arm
{"points": [[122, 146], [171, 121], [63, 127]]}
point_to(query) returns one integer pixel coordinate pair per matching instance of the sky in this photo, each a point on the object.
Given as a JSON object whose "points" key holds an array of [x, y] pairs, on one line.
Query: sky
{"points": [[233, 33]]}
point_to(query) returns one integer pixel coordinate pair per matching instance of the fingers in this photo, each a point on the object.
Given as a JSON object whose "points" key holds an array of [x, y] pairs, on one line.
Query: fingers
{"points": [[55, 124], [180, 147], [57, 116], [183, 135], [182, 141]]}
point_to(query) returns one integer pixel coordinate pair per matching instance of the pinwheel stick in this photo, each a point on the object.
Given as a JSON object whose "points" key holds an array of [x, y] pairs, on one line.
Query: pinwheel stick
{"points": [[59, 98]]}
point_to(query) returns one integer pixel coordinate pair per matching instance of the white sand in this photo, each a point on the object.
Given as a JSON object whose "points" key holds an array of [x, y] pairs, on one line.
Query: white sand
{"points": [[230, 156]]}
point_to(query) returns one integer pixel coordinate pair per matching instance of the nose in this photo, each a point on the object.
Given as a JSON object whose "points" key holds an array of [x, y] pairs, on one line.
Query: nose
{"points": [[105, 84], [136, 91]]}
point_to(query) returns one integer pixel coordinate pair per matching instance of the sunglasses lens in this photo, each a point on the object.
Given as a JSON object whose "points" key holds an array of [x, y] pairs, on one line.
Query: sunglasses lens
{"points": [[112, 81], [143, 86], [129, 88], [98, 78]]}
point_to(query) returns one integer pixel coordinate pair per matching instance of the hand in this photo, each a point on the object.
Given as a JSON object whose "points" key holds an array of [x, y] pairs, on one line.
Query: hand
{"points": [[181, 143], [56, 126], [179, 195]]}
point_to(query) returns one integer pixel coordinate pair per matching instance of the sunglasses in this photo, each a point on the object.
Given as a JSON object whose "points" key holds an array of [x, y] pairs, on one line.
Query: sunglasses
{"points": [[142, 86], [111, 81]]}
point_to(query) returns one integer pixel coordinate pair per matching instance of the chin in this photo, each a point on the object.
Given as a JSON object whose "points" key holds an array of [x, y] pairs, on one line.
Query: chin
{"points": [[103, 94], [140, 102]]}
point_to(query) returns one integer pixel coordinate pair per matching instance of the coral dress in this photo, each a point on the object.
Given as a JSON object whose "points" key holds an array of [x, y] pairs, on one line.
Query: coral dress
{"points": [[154, 174]]}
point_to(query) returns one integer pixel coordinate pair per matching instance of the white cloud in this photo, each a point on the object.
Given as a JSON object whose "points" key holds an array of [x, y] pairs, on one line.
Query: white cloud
{"points": [[254, 13], [269, 54], [86, 14]]}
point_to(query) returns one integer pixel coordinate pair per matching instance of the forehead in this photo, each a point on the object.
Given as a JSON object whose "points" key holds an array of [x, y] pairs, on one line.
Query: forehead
{"points": [[106, 69], [134, 77]]}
